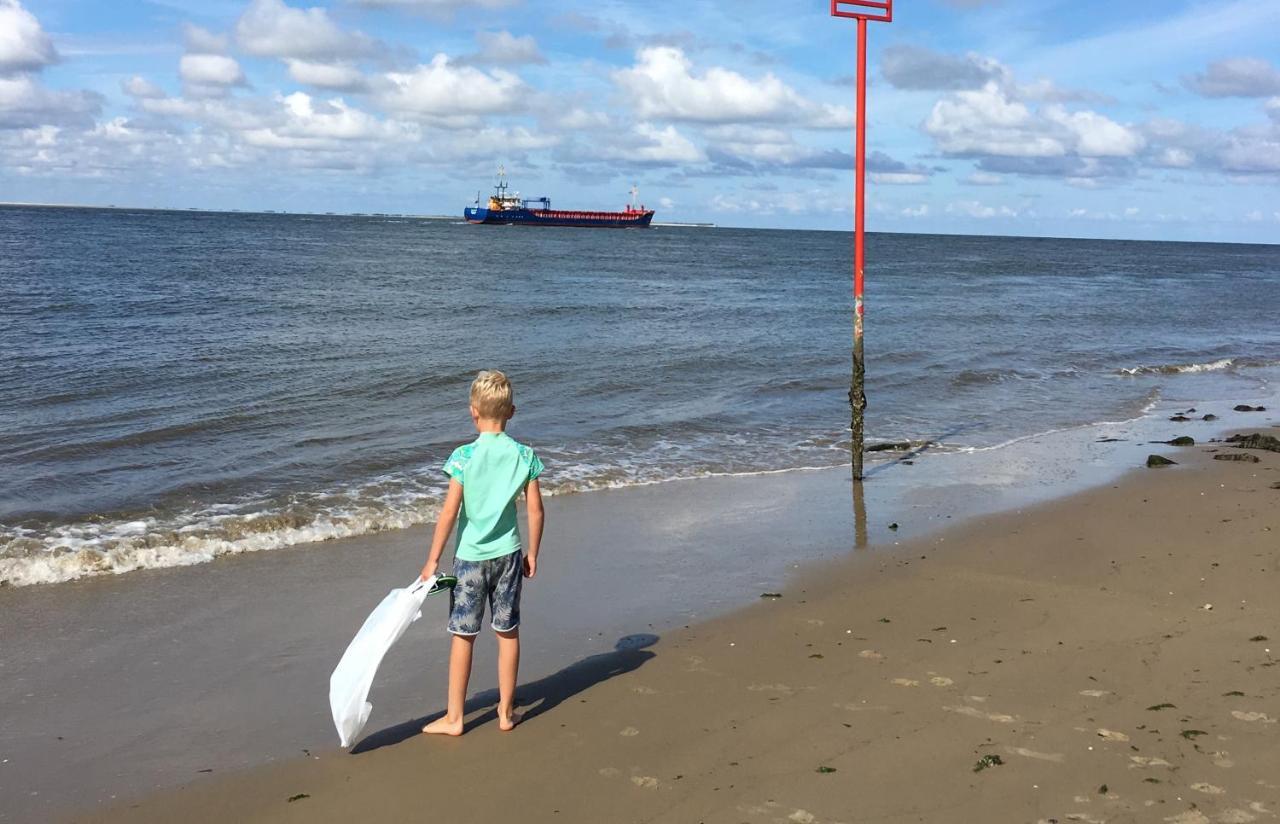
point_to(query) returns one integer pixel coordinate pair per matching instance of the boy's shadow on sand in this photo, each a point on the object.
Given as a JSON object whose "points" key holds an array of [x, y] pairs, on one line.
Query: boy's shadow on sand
{"points": [[535, 698]]}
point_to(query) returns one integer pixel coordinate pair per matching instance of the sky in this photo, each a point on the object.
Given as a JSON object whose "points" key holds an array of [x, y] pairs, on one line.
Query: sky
{"points": [[1151, 120]]}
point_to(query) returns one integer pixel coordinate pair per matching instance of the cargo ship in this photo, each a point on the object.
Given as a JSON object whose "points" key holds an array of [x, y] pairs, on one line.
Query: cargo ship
{"points": [[505, 208]]}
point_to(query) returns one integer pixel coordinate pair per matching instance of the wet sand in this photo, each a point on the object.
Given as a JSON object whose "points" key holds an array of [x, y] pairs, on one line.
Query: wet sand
{"points": [[108, 681], [1110, 656]]}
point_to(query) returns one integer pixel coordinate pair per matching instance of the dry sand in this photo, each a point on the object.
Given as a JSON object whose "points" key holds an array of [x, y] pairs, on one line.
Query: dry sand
{"points": [[1111, 656]]}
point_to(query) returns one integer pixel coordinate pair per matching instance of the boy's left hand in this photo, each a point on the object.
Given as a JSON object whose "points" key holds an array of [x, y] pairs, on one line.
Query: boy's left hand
{"points": [[530, 566]]}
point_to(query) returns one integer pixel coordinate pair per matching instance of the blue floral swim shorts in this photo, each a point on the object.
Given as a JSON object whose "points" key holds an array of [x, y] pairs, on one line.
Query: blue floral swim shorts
{"points": [[498, 581]]}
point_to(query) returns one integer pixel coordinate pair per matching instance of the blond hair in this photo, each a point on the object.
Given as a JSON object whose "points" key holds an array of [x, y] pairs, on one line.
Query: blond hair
{"points": [[491, 395]]}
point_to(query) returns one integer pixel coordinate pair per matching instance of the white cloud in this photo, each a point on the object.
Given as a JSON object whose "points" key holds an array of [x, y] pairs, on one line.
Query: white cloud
{"points": [[1252, 150], [662, 85], [438, 8], [311, 124], [769, 149], [817, 201], [24, 46], [1095, 135], [443, 89], [214, 70], [579, 119], [502, 48], [25, 103], [991, 122], [915, 211], [979, 210], [666, 145], [336, 76], [138, 86], [1236, 77], [269, 28], [980, 178], [917, 68], [203, 41], [485, 144]]}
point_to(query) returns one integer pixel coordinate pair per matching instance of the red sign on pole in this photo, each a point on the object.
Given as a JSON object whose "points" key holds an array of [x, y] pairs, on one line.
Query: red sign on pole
{"points": [[866, 9], [862, 11]]}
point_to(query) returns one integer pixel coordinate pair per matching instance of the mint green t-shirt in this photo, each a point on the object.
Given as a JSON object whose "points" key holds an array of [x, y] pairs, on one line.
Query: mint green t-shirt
{"points": [[493, 470]]}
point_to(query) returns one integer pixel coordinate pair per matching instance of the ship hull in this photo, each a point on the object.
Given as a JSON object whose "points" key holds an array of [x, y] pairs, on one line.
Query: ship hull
{"points": [[559, 217]]}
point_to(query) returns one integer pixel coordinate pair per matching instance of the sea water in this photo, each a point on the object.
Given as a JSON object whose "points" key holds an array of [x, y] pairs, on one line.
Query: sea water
{"points": [[179, 385]]}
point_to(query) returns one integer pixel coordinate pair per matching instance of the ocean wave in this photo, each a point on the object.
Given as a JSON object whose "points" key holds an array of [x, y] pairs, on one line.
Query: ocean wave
{"points": [[46, 553], [1179, 368], [1228, 364]]}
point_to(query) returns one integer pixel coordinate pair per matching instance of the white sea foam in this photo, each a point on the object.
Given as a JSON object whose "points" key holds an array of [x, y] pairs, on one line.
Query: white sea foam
{"points": [[61, 552], [1181, 369]]}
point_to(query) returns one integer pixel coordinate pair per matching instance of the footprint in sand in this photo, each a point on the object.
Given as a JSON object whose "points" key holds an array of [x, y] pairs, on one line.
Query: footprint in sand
{"points": [[1189, 817], [1149, 761], [861, 707], [905, 682], [1095, 693], [648, 782], [974, 712], [870, 654], [1235, 815], [1253, 716], [1056, 758], [802, 817], [1112, 735], [610, 772], [941, 681], [1207, 789], [628, 732], [644, 690]]}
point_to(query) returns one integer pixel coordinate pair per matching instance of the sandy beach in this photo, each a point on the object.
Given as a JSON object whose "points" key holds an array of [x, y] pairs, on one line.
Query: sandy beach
{"points": [[1109, 656]]}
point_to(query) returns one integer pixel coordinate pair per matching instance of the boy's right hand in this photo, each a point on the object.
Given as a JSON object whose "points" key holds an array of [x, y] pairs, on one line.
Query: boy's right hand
{"points": [[428, 571], [530, 566]]}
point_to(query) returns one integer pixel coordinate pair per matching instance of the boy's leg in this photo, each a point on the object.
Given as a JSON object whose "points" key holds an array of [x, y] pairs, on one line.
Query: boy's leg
{"points": [[466, 610], [504, 605], [508, 669], [459, 675]]}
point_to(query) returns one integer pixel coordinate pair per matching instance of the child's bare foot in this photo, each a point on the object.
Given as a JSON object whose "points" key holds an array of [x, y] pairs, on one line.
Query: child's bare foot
{"points": [[508, 722], [443, 726]]}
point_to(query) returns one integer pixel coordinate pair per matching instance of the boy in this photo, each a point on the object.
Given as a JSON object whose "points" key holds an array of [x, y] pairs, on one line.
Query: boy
{"points": [[485, 478]]}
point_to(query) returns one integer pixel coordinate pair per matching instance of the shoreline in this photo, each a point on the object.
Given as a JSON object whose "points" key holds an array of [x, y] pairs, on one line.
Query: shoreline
{"points": [[278, 620], [138, 540], [1098, 653]]}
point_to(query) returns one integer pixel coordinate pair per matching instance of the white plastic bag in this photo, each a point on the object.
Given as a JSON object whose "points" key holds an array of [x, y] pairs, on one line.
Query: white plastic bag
{"points": [[349, 685]]}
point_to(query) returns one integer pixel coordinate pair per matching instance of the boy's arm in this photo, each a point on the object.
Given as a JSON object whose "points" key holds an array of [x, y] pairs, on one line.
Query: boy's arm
{"points": [[444, 526], [533, 508]]}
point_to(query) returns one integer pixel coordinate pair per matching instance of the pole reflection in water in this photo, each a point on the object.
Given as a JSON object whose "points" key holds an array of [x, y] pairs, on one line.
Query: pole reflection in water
{"points": [[859, 516]]}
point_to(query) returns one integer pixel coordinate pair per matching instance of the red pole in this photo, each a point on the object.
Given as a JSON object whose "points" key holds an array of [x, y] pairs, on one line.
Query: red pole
{"points": [[862, 10], [857, 394]]}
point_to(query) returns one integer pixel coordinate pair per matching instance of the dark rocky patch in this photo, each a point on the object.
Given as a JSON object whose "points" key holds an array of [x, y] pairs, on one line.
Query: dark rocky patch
{"points": [[1180, 418], [1244, 407], [890, 446], [1158, 460], [1210, 417], [1181, 440], [1255, 441], [1238, 456]]}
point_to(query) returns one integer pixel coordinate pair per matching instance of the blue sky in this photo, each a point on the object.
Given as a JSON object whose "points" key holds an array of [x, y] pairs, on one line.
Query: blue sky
{"points": [[1039, 117]]}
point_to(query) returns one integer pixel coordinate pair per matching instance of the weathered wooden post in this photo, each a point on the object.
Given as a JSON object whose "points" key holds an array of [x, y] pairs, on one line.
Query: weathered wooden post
{"points": [[862, 11]]}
